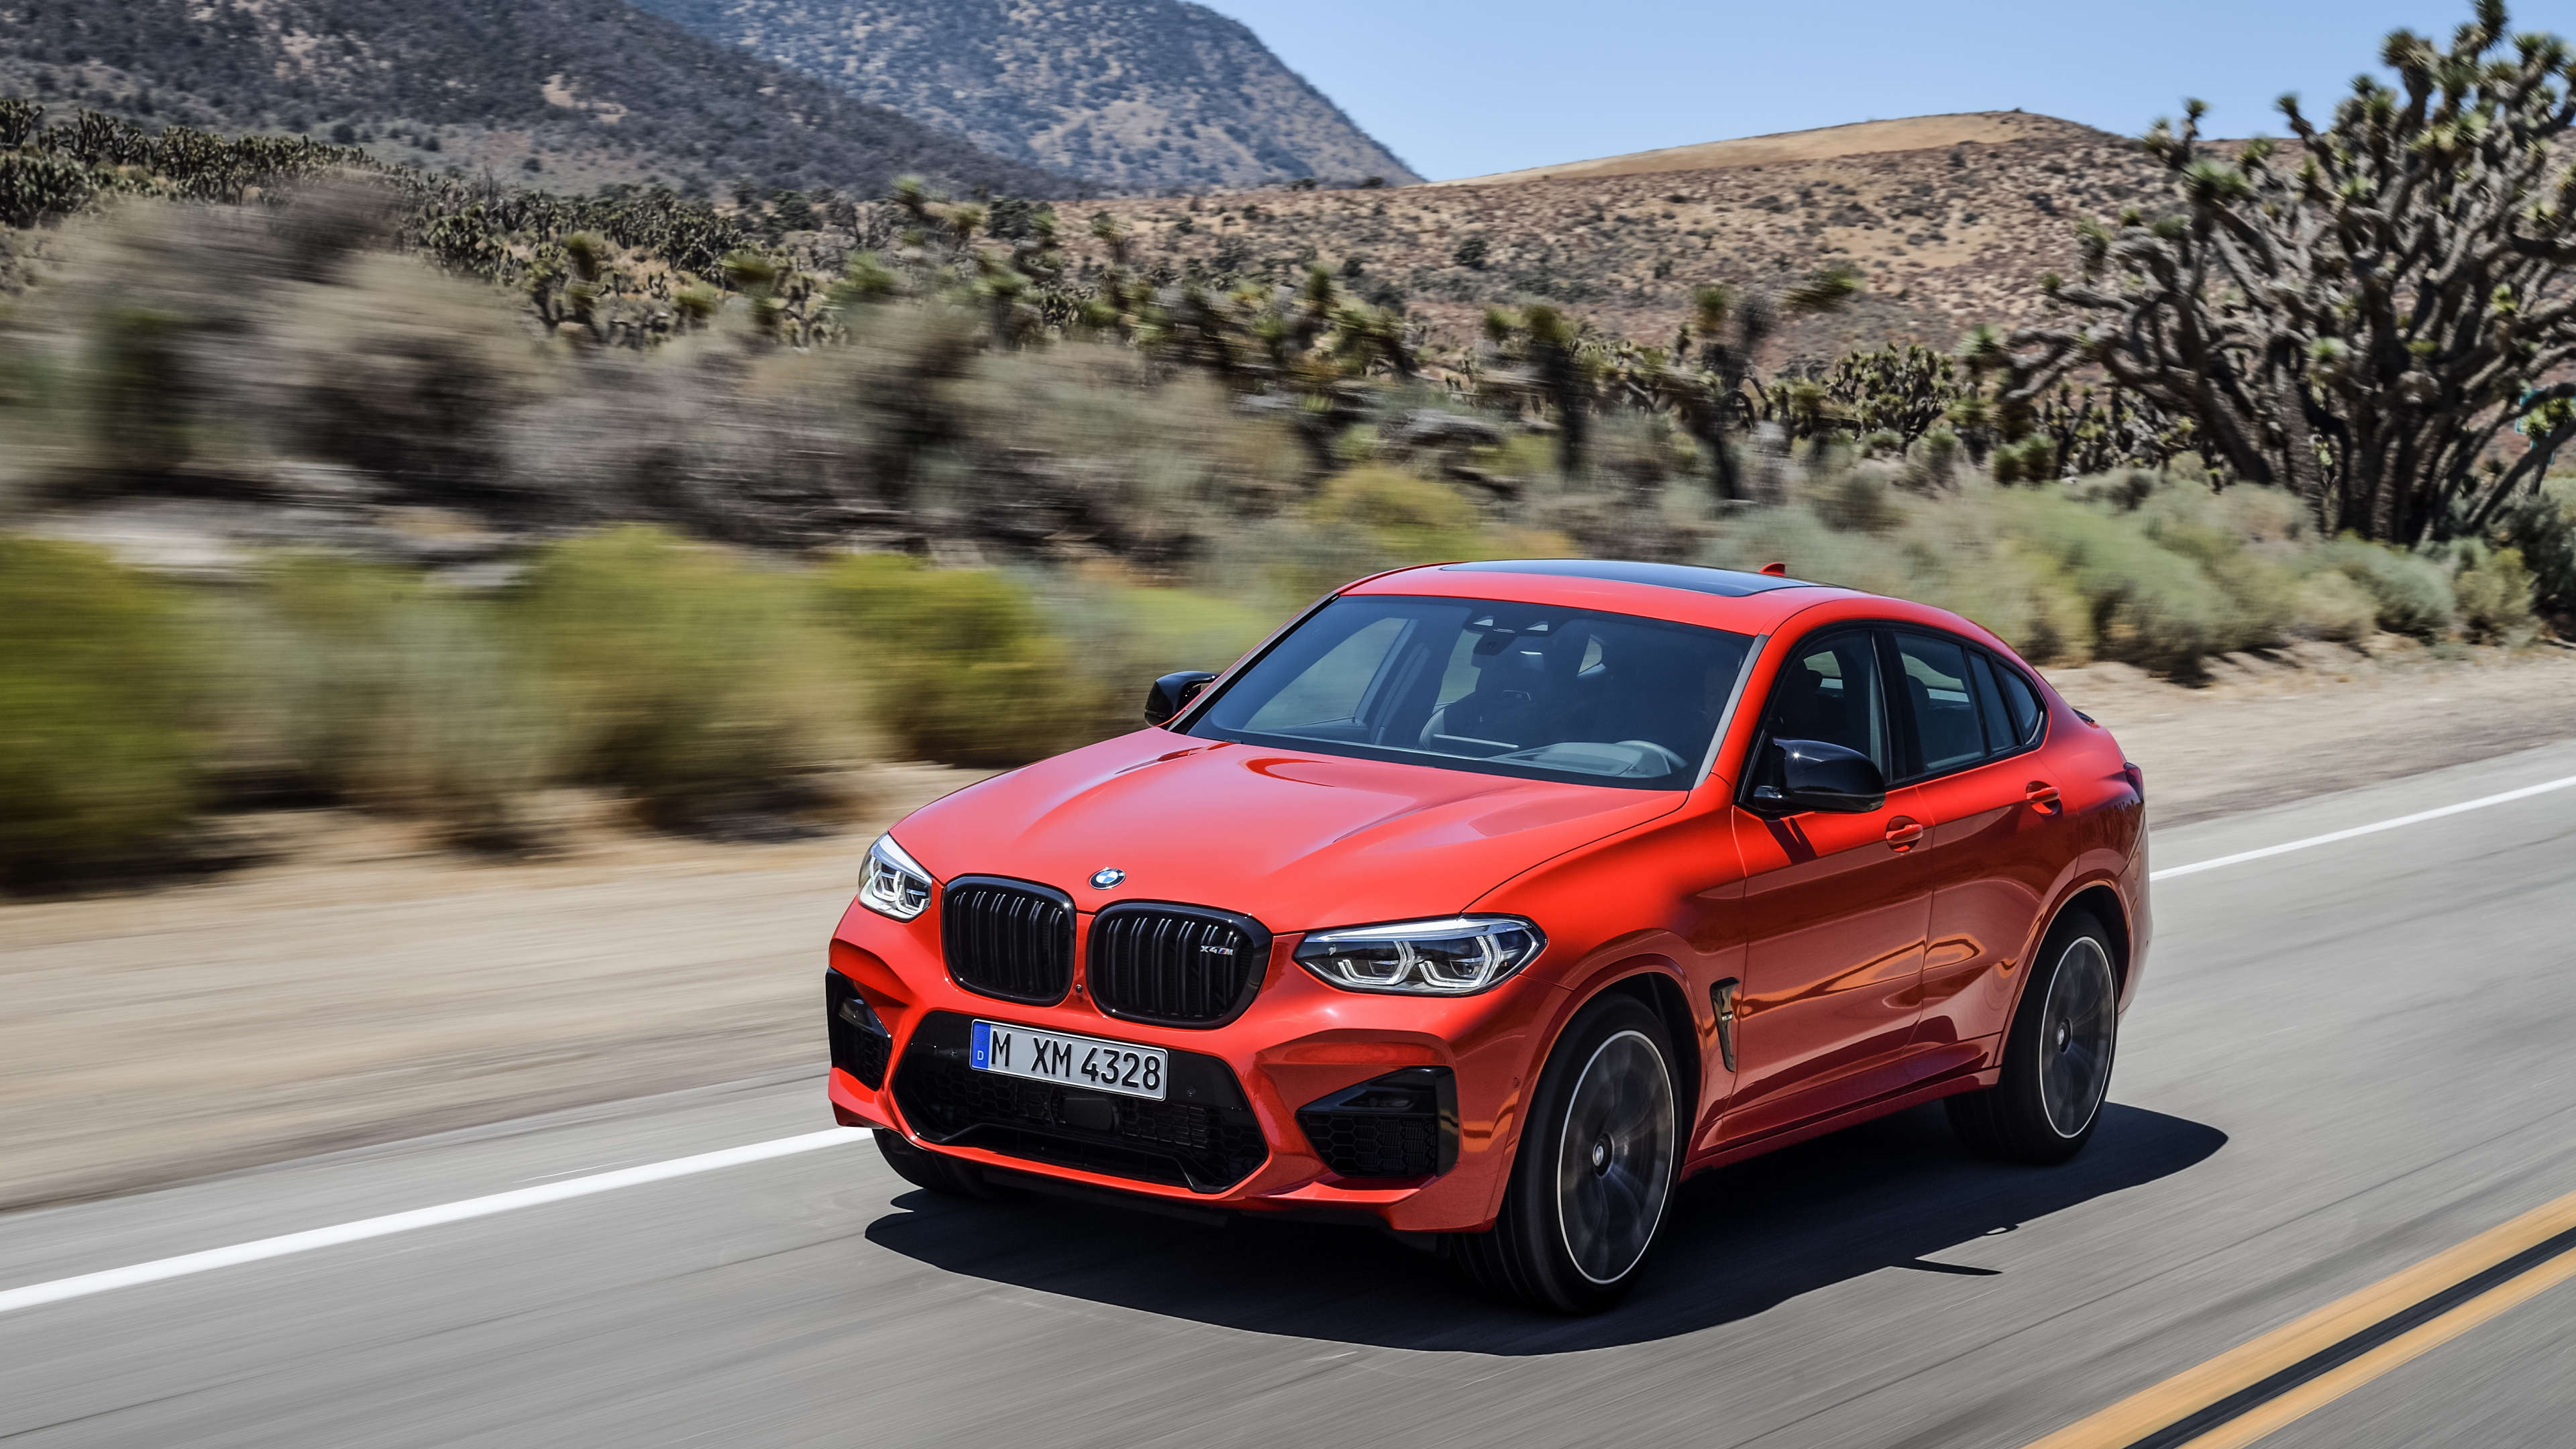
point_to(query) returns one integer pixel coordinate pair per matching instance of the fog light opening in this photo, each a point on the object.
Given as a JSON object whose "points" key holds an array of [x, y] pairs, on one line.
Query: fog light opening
{"points": [[1401, 1125]]}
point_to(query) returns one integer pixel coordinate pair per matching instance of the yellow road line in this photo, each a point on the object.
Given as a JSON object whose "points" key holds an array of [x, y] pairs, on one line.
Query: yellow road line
{"points": [[2318, 1392], [2250, 1363]]}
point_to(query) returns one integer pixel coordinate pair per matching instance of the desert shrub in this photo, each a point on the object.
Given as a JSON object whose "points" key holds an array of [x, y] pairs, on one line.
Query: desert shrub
{"points": [[367, 685], [2131, 568], [958, 664], [2329, 604], [2217, 531], [1935, 464], [695, 682], [100, 746], [2542, 528], [2490, 589], [1121, 639], [2149, 607], [213, 340], [2409, 595], [1857, 501], [1411, 519], [1953, 554]]}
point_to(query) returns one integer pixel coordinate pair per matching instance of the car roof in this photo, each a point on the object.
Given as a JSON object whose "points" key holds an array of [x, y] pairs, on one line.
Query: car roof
{"points": [[1750, 603]]}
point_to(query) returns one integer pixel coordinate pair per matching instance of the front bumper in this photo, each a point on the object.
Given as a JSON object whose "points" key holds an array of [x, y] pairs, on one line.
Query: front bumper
{"points": [[1228, 1133]]}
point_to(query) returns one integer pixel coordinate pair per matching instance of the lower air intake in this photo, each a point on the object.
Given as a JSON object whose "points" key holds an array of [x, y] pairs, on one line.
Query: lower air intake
{"points": [[1404, 1124], [1203, 1136], [860, 1042]]}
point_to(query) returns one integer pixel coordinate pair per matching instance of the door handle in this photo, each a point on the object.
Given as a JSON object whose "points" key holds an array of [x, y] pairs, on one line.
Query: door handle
{"points": [[1902, 833], [2042, 796]]}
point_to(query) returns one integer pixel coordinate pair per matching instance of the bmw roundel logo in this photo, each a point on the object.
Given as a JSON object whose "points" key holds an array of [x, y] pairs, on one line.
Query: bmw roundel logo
{"points": [[1104, 879]]}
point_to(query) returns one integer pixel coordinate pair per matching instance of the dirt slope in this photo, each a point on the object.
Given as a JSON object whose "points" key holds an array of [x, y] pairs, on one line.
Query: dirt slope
{"points": [[1860, 138]]}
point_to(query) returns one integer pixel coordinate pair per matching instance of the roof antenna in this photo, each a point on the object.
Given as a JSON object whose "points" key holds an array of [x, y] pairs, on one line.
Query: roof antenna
{"points": [[1776, 570]]}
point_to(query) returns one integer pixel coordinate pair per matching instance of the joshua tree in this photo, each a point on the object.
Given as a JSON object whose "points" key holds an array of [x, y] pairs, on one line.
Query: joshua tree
{"points": [[1550, 359], [2361, 316], [1729, 329], [1902, 390]]}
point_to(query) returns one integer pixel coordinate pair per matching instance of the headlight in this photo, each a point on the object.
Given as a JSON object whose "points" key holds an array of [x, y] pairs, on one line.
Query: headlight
{"points": [[1458, 956], [893, 883]]}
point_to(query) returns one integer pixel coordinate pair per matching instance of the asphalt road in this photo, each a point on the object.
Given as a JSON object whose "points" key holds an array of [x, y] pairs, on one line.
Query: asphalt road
{"points": [[2346, 1058]]}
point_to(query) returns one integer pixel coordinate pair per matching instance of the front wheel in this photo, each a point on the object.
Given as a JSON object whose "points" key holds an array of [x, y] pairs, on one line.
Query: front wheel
{"points": [[1588, 1188], [2057, 1061]]}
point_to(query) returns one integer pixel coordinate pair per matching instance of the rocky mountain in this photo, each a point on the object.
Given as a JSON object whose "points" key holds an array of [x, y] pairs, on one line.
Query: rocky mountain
{"points": [[1951, 221], [1142, 94], [579, 91]]}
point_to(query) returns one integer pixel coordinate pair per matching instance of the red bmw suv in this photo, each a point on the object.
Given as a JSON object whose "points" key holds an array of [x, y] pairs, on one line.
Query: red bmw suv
{"points": [[1490, 900]]}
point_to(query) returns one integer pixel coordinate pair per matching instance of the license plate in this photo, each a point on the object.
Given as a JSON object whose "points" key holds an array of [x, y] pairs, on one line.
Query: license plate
{"points": [[1075, 1061]]}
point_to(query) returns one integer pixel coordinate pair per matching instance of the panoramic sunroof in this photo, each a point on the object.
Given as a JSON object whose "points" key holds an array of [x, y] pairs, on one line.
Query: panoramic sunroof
{"points": [[1727, 582]]}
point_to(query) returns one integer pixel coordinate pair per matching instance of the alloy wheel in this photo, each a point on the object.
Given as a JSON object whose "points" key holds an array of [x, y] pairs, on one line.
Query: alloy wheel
{"points": [[2076, 1031], [1615, 1158]]}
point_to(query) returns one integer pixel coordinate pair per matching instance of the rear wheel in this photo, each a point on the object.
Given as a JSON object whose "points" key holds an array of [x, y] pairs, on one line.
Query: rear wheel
{"points": [[2057, 1061], [1587, 1191], [932, 1172]]}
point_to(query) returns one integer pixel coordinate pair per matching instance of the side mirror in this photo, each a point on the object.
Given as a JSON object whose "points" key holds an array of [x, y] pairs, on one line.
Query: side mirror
{"points": [[1172, 693], [1813, 775]]}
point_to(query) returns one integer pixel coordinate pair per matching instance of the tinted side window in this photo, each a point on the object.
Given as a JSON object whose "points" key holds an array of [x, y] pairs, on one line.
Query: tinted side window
{"points": [[2020, 701], [1990, 705], [1829, 691], [1939, 702]]}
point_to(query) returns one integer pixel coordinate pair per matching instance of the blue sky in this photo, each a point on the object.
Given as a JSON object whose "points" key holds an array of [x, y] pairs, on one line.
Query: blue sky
{"points": [[1460, 89]]}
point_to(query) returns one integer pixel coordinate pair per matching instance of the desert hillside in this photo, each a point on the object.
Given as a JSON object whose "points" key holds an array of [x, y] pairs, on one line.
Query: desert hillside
{"points": [[1947, 234], [553, 93], [1140, 94]]}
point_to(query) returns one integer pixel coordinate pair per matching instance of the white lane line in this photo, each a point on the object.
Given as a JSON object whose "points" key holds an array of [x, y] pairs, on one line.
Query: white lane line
{"points": [[2420, 816], [429, 1217]]}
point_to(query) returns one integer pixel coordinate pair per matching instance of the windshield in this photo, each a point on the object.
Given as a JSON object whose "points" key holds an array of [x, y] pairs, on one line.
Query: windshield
{"points": [[1532, 690]]}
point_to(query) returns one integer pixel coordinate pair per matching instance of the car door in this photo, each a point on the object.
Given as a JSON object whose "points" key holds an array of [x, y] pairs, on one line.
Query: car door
{"points": [[1834, 910], [1997, 838]]}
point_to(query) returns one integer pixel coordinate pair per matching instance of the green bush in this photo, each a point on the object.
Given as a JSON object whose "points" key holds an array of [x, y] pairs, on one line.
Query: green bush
{"points": [[2409, 595], [2135, 566], [2149, 607], [100, 745], [1123, 639], [2330, 605], [958, 663], [2491, 589], [2543, 529], [1411, 519], [698, 684], [373, 687], [2216, 531]]}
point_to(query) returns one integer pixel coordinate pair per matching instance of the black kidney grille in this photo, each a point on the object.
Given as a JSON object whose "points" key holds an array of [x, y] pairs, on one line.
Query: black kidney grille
{"points": [[1007, 938], [1174, 965]]}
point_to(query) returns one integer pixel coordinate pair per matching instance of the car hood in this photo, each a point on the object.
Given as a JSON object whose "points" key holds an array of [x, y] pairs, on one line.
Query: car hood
{"points": [[1296, 841]]}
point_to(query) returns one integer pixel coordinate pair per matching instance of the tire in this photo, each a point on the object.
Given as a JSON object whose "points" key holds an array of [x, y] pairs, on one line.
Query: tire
{"points": [[1588, 1189], [932, 1172], [2057, 1061]]}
